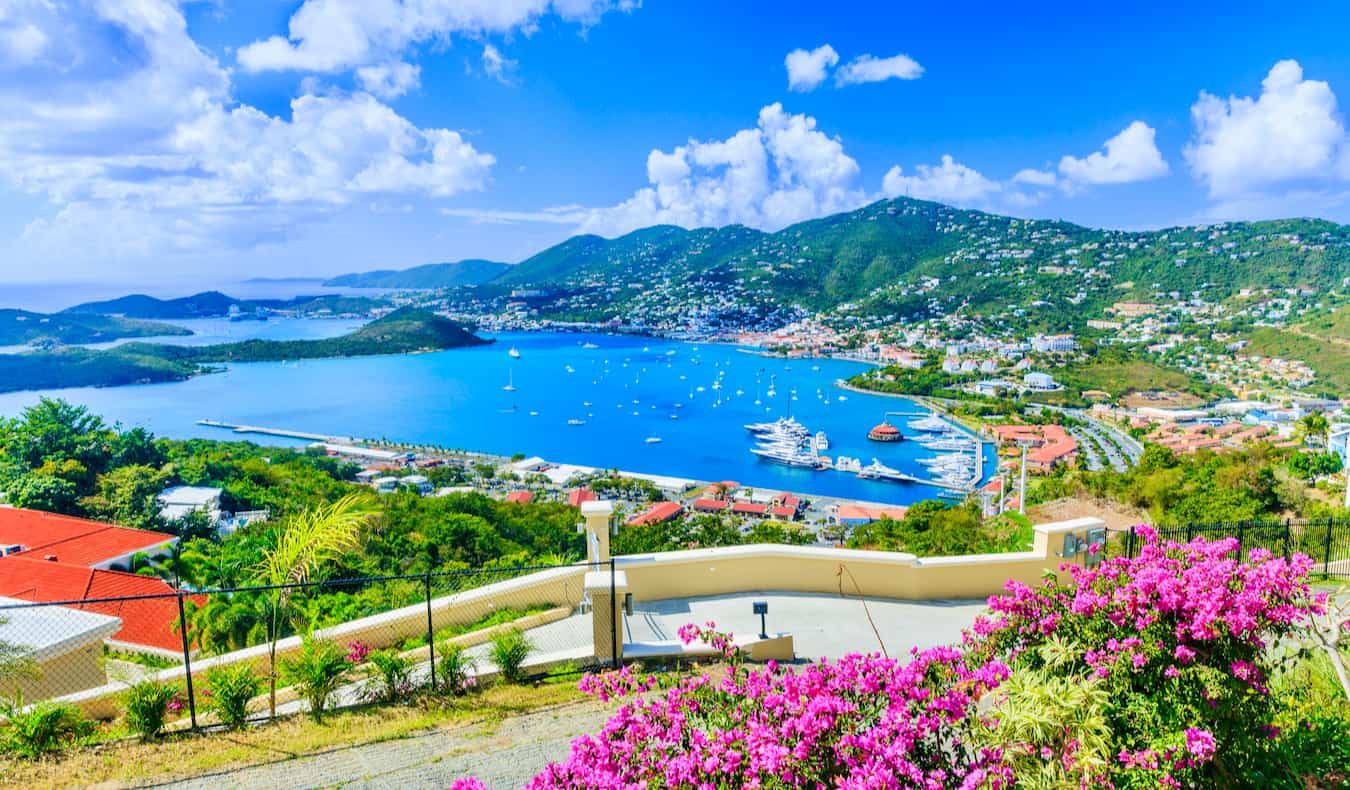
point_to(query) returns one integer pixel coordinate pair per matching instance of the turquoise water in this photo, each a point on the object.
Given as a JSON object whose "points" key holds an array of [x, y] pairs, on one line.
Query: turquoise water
{"points": [[456, 399]]}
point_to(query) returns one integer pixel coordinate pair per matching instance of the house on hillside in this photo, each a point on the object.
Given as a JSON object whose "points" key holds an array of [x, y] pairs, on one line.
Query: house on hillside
{"points": [[65, 646], [77, 541]]}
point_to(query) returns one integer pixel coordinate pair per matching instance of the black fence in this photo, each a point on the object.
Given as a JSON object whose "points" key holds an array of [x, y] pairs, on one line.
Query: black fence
{"points": [[1326, 541], [387, 638]]}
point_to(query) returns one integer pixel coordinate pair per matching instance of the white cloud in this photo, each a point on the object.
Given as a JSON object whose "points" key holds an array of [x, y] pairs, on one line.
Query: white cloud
{"points": [[337, 35], [1130, 156], [866, 68], [806, 70], [949, 182], [782, 171], [1039, 178], [496, 65], [389, 80], [1291, 132], [127, 126]]}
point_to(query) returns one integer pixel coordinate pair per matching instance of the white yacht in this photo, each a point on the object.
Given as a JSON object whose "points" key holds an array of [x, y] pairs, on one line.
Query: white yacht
{"points": [[879, 471], [575, 421], [589, 345], [514, 353], [930, 424], [846, 464], [822, 442], [510, 383]]}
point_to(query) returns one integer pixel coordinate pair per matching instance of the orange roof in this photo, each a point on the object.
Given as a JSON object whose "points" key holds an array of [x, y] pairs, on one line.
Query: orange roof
{"points": [[858, 512], [147, 621], [661, 511], [76, 541], [708, 504], [783, 511], [578, 495], [749, 508], [520, 496]]}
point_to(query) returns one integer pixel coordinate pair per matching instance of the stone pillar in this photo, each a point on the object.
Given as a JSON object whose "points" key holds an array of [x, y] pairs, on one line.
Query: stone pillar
{"points": [[596, 515], [1049, 539], [606, 590]]}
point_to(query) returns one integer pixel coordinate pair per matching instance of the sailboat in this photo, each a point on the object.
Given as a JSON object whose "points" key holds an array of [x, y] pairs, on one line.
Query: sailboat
{"points": [[514, 353], [510, 383]]}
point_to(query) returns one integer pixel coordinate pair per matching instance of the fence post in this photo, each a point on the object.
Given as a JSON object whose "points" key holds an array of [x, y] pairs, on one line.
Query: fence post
{"points": [[1129, 543], [431, 636], [1189, 527], [1288, 530], [1242, 528], [613, 618], [187, 660], [1326, 557]]}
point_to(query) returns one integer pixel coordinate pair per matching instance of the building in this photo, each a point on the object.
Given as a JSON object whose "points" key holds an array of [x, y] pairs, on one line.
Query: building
{"points": [[658, 513], [857, 515], [520, 497], [1040, 381], [179, 501], [76, 541], [752, 509], [1053, 344], [1048, 445], [708, 505], [418, 483], [578, 495], [64, 645], [148, 624]]}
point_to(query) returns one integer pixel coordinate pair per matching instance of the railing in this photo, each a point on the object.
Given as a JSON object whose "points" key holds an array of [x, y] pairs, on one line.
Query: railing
{"points": [[1326, 541], [181, 638]]}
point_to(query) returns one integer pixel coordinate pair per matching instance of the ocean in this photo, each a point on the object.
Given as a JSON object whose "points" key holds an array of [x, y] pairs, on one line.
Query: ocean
{"points": [[626, 390]]}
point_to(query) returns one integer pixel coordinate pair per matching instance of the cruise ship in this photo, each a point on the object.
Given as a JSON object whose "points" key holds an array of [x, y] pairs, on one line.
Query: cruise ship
{"points": [[787, 454]]}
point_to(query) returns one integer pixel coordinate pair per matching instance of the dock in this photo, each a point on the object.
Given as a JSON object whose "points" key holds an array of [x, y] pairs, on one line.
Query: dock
{"points": [[287, 434]]}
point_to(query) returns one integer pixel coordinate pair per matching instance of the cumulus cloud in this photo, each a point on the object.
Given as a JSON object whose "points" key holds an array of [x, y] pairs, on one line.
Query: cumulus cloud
{"points": [[806, 70], [1034, 177], [948, 182], [1130, 156], [389, 80], [126, 125], [1290, 133], [866, 68], [337, 35], [782, 171], [497, 65]]}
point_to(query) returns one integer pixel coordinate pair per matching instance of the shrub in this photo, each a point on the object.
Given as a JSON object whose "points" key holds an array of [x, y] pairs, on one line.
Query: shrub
{"points": [[316, 672], [41, 729], [228, 691], [147, 707], [509, 650], [454, 669], [392, 675]]}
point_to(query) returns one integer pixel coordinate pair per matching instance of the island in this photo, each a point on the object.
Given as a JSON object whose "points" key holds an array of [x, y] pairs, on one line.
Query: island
{"points": [[23, 327], [214, 304], [403, 331]]}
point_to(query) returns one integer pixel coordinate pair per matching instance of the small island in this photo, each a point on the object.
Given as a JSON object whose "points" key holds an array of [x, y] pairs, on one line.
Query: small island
{"points": [[403, 331], [23, 327]]}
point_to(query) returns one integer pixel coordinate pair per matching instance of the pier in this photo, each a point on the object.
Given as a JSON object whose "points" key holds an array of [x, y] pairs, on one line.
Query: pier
{"points": [[258, 429]]}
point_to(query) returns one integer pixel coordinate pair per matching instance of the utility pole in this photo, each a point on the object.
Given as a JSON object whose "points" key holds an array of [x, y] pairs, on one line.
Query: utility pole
{"points": [[1002, 490], [1022, 495]]}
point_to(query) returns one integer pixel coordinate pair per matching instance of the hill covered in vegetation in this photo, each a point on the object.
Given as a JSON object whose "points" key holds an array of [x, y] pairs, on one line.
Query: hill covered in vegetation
{"points": [[214, 304], [22, 327], [402, 331], [472, 271]]}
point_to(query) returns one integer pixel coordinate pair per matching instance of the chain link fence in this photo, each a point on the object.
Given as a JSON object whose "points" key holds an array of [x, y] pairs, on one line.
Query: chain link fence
{"points": [[277, 650]]}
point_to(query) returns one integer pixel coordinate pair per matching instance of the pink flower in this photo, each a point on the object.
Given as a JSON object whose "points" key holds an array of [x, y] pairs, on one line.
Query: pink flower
{"points": [[1200, 743]]}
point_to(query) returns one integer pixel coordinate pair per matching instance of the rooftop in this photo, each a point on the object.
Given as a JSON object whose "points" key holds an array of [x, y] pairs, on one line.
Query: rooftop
{"points": [[45, 632], [75, 541]]}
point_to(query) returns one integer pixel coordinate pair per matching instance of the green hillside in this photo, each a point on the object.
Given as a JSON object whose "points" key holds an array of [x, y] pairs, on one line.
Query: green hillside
{"points": [[21, 327], [473, 271], [403, 331]]}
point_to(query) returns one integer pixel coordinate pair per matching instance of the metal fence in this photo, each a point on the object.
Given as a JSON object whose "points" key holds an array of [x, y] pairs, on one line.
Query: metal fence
{"points": [[1326, 541], [187, 638]]}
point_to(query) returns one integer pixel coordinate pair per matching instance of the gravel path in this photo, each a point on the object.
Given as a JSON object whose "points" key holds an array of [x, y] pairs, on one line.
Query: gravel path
{"points": [[503, 757]]}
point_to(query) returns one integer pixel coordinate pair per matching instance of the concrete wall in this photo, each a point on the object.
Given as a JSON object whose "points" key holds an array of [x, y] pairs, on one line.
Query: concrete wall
{"points": [[682, 574], [67, 673]]}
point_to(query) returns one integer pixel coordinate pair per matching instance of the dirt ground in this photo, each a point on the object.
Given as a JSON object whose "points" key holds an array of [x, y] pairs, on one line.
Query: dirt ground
{"points": [[1118, 517], [1160, 400]]}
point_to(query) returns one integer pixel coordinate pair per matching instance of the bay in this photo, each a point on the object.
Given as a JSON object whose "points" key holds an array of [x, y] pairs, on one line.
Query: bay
{"points": [[626, 390]]}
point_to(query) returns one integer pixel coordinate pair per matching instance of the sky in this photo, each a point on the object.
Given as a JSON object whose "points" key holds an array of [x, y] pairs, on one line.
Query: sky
{"points": [[151, 141]]}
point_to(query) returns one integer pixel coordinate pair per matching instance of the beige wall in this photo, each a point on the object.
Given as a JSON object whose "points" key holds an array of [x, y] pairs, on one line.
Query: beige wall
{"points": [[68, 673], [683, 574]]}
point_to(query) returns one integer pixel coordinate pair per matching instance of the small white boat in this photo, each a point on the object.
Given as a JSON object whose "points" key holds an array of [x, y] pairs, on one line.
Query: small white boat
{"points": [[514, 354], [510, 383], [589, 345], [534, 414], [653, 440], [571, 369], [575, 421], [674, 416]]}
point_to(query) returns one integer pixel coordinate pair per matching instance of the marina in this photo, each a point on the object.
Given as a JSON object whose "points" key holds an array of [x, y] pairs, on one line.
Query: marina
{"points": [[456, 400]]}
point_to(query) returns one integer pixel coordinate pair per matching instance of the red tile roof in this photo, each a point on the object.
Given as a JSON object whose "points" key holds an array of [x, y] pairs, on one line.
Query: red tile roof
{"points": [[860, 513], [780, 511], [149, 622], [578, 495], [76, 541], [749, 508], [520, 496], [708, 504], [661, 511]]}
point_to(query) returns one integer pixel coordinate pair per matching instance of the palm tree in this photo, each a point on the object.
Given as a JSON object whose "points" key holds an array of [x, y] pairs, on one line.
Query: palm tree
{"points": [[303, 543], [1315, 425]]}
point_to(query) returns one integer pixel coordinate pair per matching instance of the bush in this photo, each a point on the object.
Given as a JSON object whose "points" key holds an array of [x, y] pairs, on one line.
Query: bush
{"points": [[42, 729], [509, 650], [392, 676], [228, 691], [454, 669], [147, 707], [316, 673]]}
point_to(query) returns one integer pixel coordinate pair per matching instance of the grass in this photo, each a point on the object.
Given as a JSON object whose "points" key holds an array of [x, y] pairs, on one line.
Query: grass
{"points": [[1315, 344], [128, 762], [499, 617]]}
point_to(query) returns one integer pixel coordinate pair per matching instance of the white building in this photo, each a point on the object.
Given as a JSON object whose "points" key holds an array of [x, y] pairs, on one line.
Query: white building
{"points": [[178, 501], [1053, 344], [1039, 381]]}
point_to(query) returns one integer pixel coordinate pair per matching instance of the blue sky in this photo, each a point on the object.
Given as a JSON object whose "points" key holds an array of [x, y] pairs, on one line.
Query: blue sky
{"points": [[150, 140]]}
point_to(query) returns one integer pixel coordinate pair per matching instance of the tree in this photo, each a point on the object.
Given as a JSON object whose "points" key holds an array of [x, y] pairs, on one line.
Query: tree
{"points": [[1314, 426], [126, 496], [43, 492], [301, 545]]}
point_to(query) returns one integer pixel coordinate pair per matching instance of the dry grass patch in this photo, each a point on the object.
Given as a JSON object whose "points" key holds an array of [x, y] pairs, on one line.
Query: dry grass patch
{"points": [[129, 763]]}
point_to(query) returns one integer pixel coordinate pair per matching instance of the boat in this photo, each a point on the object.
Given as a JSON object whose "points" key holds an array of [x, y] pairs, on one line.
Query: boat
{"points": [[674, 416], [575, 421], [930, 424], [510, 384], [846, 464], [879, 471], [589, 345], [534, 414], [948, 442], [786, 455], [821, 442], [653, 440], [586, 403], [571, 369], [513, 353], [842, 397]]}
